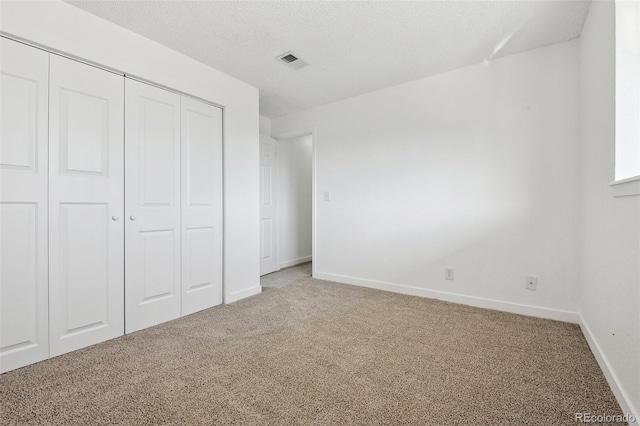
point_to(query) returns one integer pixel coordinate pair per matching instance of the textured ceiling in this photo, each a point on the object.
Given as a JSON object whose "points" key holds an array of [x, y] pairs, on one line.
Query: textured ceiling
{"points": [[351, 47]]}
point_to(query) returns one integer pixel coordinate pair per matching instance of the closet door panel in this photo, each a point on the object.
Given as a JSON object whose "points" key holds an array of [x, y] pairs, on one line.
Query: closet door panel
{"points": [[84, 268], [201, 205], [86, 182], [24, 314], [152, 205]]}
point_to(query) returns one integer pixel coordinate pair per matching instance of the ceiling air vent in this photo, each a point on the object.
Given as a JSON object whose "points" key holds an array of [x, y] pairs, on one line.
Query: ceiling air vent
{"points": [[292, 60], [289, 58]]}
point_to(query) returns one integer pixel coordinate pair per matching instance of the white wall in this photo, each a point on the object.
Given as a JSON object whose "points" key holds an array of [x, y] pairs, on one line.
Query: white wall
{"points": [[293, 200], [265, 126], [62, 27], [476, 169], [610, 249]]}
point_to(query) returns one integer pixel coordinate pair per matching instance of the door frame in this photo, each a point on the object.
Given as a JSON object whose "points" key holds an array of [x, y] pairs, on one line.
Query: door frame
{"points": [[313, 132]]}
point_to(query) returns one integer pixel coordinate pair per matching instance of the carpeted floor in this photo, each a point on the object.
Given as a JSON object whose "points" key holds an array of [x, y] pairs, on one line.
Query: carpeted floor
{"points": [[315, 352], [286, 276]]}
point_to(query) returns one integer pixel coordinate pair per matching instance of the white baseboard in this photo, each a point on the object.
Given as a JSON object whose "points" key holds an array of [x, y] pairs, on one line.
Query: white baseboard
{"points": [[498, 305], [623, 399], [241, 294], [294, 262]]}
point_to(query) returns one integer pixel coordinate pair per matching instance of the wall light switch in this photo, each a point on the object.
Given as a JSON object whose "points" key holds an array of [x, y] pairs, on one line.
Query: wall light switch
{"points": [[327, 195]]}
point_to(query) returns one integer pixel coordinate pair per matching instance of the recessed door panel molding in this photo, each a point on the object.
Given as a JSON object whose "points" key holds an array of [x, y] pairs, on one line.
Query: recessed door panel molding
{"points": [[86, 205], [201, 147], [83, 133], [152, 199], [20, 310], [201, 182], [265, 185], [84, 265], [268, 254], [200, 249], [157, 164], [24, 313], [19, 121], [266, 232], [158, 253]]}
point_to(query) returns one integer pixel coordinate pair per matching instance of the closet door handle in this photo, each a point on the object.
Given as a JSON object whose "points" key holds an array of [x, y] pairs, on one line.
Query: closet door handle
{"points": [[115, 217], [132, 217]]}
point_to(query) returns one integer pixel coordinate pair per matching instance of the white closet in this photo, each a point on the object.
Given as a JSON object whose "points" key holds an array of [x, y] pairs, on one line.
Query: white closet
{"points": [[153, 205], [86, 178], [173, 197], [110, 205], [24, 316], [201, 205]]}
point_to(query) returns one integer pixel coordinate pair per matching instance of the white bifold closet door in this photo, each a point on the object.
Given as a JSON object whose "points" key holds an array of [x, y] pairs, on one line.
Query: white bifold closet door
{"points": [[86, 205], [24, 79], [201, 206], [152, 199]]}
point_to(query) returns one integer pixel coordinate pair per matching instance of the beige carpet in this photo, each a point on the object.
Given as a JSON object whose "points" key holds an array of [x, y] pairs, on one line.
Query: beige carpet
{"points": [[286, 276], [315, 352]]}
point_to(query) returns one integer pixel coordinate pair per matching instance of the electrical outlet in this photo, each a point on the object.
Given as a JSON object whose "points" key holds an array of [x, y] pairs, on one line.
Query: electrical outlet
{"points": [[531, 283], [448, 273]]}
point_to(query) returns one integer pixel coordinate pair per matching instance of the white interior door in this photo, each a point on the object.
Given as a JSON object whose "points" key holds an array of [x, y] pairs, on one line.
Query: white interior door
{"points": [[24, 81], [268, 255], [86, 204], [152, 198], [201, 128]]}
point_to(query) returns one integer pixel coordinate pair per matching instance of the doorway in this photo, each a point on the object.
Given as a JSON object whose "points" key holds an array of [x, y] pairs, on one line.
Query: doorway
{"points": [[286, 196]]}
